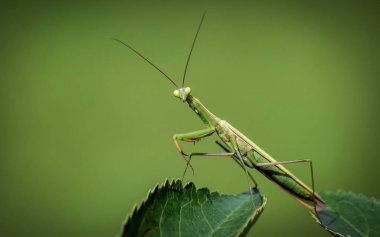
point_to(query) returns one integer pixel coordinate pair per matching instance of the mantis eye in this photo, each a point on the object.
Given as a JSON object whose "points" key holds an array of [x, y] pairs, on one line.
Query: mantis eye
{"points": [[176, 93], [187, 90]]}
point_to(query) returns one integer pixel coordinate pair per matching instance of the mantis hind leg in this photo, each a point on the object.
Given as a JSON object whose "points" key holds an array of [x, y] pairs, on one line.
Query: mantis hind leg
{"points": [[316, 199], [314, 203]]}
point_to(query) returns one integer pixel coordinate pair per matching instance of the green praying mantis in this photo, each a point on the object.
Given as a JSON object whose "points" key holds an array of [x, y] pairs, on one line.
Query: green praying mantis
{"points": [[236, 145]]}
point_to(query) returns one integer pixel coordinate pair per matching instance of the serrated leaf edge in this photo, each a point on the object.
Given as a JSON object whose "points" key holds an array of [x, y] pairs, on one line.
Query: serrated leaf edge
{"points": [[136, 208], [168, 183]]}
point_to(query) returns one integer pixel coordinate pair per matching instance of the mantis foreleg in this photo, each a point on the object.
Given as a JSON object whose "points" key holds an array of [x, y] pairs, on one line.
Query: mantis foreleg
{"points": [[191, 137]]}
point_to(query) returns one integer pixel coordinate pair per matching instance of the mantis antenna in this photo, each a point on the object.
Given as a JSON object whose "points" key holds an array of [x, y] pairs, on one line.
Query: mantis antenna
{"points": [[152, 64], [191, 50], [147, 60]]}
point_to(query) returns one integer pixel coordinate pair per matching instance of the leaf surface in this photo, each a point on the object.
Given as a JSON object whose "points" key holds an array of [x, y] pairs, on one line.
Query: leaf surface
{"points": [[350, 214], [174, 210]]}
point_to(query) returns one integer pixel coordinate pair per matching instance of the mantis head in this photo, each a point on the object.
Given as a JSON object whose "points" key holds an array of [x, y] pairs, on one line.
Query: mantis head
{"points": [[182, 93]]}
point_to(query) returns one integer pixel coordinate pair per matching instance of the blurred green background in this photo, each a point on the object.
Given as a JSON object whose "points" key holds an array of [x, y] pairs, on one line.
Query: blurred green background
{"points": [[86, 125]]}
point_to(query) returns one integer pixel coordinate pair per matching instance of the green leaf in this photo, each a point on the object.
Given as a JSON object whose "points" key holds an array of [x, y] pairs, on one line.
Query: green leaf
{"points": [[174, 210], [350, 214]]}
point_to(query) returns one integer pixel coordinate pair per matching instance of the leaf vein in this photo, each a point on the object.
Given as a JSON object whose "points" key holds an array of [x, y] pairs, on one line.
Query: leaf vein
{"points": [[163, 209], [225, 219]]}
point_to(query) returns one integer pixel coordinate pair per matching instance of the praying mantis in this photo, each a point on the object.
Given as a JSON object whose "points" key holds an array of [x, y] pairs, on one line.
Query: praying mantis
{"points": [[235, 144]]}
